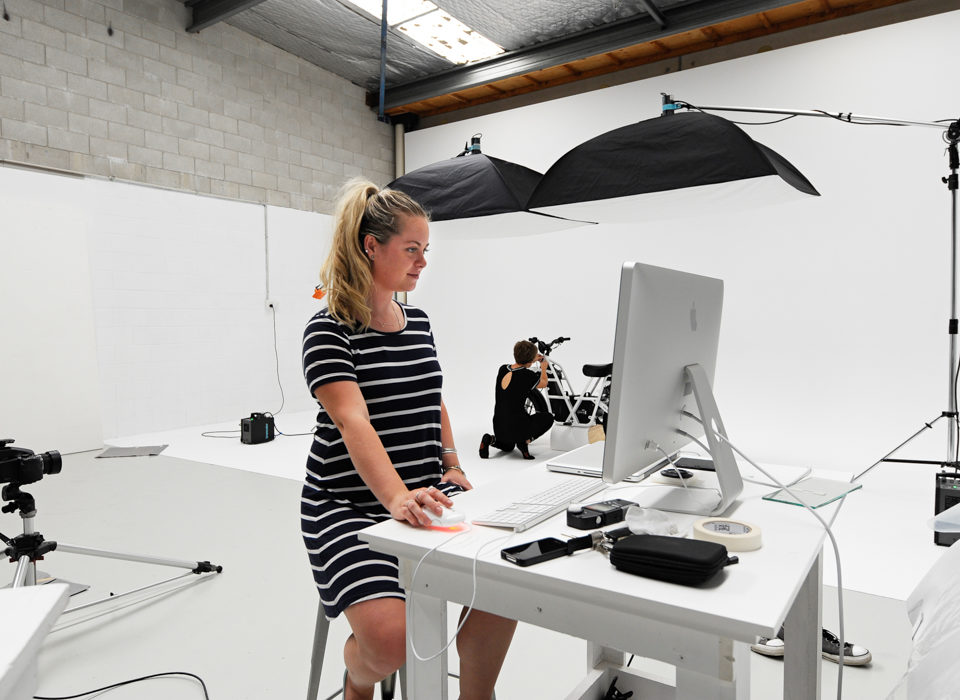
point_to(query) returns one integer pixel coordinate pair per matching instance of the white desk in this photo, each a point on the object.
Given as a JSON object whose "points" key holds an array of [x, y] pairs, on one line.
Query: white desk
{"points": [[27, 613], [702, 631]]}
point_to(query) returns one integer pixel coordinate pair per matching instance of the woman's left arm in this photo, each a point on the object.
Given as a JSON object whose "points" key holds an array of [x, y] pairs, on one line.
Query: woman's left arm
{"points": [[452, 471]]}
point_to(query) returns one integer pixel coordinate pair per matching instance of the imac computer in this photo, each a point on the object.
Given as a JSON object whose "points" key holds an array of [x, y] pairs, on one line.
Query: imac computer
{"points": [[664, 357]]}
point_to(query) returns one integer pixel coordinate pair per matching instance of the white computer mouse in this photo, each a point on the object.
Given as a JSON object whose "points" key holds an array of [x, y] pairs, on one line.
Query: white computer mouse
{"points": [[449, 517]]}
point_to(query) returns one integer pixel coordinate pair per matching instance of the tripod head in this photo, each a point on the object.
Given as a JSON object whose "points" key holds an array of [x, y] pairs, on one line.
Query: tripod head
{"points": [[19, 466]]}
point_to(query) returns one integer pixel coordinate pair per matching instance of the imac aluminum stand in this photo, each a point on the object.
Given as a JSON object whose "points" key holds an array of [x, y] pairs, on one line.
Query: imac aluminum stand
{"points": [[728, 473]]}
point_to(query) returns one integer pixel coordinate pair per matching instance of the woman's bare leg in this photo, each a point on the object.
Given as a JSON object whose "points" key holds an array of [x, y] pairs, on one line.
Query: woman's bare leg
{"points": [[482, 645], [377, 647]]}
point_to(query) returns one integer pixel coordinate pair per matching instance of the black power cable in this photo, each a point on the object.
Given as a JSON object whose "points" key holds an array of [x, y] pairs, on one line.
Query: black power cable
{"points": [[123, 683], [276, 357]]}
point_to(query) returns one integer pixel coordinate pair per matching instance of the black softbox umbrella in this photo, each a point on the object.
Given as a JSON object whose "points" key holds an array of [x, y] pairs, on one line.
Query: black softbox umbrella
{"points": [[478, 194], [634, 172]]}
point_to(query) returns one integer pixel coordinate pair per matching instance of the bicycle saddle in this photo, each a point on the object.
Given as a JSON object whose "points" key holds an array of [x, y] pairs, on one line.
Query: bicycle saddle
{"points": [[597, 370]]}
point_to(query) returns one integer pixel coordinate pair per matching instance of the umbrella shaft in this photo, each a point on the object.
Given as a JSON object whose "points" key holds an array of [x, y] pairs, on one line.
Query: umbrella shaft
{"points": [[842, 116]]}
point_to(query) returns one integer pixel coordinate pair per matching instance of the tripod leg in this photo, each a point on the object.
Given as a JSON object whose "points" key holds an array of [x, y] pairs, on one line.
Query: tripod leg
{"points": [[926, 426], [195, 566], [26, 574]]}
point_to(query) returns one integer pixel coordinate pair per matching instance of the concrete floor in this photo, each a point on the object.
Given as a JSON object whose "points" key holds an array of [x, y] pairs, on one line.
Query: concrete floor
{"points": [[248, 631]]}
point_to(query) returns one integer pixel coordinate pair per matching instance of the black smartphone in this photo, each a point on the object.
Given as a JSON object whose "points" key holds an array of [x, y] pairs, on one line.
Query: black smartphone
{"points": [[693, 463], [535, 552]]}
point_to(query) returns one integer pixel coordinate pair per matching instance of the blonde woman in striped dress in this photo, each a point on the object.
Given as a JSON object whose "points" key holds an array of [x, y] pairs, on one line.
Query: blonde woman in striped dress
{"points": [[383, 446]]}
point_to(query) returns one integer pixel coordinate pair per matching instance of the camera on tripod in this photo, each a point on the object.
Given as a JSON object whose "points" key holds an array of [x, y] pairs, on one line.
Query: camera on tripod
{"points": [[19, 466]]}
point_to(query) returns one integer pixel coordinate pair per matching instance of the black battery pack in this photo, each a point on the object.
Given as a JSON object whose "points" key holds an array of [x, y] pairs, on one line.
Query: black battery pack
{"points": [[947, 495], [256, 429], [598, 514]]}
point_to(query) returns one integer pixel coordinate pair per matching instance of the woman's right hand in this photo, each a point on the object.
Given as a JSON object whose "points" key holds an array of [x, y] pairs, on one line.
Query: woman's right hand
{"points": [[411, 507]]}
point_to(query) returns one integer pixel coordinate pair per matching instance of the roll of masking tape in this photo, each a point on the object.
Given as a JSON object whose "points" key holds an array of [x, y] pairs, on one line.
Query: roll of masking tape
{"points": [[736, 536]]}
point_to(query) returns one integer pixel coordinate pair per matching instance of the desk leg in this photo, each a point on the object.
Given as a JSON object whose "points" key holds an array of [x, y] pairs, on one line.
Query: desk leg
{"points": [[801, 643], [730, 679], [598, 655], [427, 619]]}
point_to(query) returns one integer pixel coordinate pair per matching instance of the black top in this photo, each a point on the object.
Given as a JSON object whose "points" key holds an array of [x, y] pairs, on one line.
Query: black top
{"points": [[510, 417]]}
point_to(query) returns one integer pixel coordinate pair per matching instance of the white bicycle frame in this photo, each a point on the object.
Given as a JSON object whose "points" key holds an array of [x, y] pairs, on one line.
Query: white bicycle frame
{"points": [[573, 401]]}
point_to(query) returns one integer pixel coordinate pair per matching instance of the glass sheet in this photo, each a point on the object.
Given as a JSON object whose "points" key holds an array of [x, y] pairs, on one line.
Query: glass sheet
{"points": [[814, 492]]}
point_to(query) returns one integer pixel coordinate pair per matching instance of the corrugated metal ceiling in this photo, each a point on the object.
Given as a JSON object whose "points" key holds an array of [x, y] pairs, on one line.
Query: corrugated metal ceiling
{"points": [[547, 42]]}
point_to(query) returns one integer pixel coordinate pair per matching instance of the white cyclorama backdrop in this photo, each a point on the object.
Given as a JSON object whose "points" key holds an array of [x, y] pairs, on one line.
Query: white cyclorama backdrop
{"points": [[182, 333], [49, 389], [833, 341]]}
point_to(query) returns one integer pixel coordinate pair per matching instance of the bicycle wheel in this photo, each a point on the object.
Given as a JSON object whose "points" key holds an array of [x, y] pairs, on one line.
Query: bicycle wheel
{"points": [[604, 401], [535, 403]]}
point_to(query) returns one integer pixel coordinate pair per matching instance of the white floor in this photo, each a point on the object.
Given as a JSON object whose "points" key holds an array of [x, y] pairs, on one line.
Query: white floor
{"points": [[884, 521], [248, 631]]}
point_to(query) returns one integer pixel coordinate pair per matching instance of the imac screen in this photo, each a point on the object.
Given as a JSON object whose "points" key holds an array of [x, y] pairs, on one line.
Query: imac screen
{"points": [[666, 320]]}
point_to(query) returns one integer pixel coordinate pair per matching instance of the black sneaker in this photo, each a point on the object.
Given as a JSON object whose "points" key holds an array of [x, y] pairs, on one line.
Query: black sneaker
{"points": [[485, 445], [853, 654]]}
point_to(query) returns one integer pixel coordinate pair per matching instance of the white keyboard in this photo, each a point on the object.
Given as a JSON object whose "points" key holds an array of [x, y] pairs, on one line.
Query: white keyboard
{"points": [[537, 507]]}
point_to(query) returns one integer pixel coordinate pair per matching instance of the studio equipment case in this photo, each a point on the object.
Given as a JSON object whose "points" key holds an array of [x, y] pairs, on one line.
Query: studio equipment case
{"points": [[256, 429], [947, 495]]}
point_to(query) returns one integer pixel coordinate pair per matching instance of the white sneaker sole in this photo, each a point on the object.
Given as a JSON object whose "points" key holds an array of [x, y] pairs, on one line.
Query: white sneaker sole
{"points": [[848, 660], [766, 650]]}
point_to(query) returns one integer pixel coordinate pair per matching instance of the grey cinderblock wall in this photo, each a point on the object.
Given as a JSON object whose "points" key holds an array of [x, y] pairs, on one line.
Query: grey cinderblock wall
{"points": [[218, 112]]}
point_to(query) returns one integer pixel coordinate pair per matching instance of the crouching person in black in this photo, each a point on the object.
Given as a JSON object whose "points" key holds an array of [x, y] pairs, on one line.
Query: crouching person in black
{"points": [[513, 426]]}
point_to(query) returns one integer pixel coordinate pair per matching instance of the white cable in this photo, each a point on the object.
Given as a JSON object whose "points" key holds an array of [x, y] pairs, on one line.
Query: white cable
{"points": [[826, 527], [468, 609], [804, 475]]}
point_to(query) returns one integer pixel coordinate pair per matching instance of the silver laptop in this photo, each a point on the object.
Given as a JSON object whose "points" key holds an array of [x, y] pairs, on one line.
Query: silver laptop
{"points": [[588, 461]]}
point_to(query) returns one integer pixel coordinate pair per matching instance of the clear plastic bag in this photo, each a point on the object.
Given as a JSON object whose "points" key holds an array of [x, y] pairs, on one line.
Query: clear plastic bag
{"points": [[649, 521]]}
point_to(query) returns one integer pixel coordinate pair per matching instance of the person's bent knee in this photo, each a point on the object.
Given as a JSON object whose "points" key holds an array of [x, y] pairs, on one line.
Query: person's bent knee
{"points": [[385, 650], [379, 629]]}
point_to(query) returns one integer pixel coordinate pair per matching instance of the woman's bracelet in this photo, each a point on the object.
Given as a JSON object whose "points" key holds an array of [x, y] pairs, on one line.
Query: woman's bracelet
{"points": [[448, 451], [454, 466]]}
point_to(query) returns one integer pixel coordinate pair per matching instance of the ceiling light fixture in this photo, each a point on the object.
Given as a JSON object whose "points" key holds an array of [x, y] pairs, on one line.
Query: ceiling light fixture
{"points": [[434, 28]]}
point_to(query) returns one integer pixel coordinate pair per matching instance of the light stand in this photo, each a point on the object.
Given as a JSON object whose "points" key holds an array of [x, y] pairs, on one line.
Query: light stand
{"points": [[20, 466], [952, 137]]}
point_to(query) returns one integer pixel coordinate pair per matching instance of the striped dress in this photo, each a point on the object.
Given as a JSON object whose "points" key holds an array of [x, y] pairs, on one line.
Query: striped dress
{"points": [[400, 379]]}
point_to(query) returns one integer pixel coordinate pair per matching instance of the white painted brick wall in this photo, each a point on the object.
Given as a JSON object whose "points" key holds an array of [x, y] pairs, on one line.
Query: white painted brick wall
{"points": [[218, 112]]}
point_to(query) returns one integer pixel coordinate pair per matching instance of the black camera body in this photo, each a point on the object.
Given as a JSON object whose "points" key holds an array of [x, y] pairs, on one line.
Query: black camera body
{"points": [[18, 465], [598, 514], [256, 429]]}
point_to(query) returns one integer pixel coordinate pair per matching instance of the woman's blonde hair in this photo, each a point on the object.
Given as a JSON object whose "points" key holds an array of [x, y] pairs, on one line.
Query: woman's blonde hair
{"points": [[362, 208]]}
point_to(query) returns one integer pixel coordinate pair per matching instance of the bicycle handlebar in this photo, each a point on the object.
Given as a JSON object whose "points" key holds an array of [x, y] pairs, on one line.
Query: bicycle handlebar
{"points": [[545, 348]]}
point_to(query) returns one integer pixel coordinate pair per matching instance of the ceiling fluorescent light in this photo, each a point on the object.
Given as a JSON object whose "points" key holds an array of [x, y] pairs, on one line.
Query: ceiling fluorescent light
{"points": [[434, 28], [449, 37], [398, 11]]}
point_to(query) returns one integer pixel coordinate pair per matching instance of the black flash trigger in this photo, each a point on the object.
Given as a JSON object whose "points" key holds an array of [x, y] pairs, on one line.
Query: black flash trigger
{"points": [[594, 515]]}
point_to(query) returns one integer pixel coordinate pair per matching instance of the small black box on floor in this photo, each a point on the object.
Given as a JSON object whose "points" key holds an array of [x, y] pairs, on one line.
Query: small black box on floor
{"points": [[947, 495], [256, 429]]}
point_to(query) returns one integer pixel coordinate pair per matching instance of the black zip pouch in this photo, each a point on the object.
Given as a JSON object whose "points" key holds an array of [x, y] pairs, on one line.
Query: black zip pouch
{"points": [[673, 559]]}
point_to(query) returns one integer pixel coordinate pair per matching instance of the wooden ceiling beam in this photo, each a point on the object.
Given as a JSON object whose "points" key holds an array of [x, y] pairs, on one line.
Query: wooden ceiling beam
{"points": [[716, 35]]}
